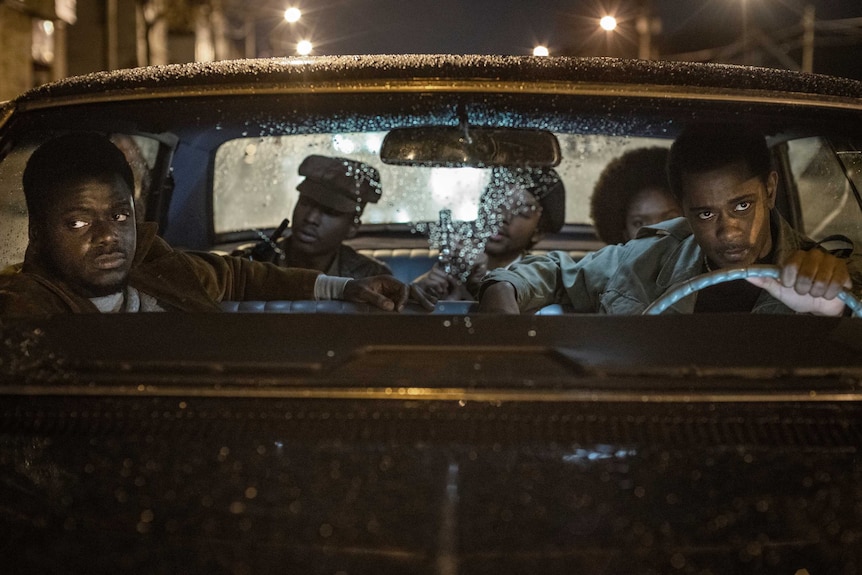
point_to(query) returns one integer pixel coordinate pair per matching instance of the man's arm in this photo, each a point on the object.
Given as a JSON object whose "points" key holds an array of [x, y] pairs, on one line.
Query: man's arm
{"points": [[555, 277], [532, 283], [256, 280], [499, 297], [235, 278]]}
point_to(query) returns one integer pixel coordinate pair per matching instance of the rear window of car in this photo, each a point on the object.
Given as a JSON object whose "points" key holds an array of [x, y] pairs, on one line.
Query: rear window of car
{"points": [[255, 179]]}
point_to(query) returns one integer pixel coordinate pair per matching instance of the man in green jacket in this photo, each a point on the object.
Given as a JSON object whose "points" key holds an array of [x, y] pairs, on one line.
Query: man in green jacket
{"points": [[328, 212], [722, 177], [86, 252]]}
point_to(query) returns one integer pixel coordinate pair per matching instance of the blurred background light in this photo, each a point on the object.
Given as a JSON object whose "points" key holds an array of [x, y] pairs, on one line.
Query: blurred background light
{"points": [[292, 15], [303, 47]]}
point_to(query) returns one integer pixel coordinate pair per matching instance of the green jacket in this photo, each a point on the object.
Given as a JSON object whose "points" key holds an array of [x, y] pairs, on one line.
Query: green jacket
{"points": [[184, 281], [626, 278], [348, 263], [351, 264]]}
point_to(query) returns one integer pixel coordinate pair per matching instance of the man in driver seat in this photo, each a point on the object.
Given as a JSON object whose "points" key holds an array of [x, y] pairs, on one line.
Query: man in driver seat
{"points": [[722, 177], [332, 198]]}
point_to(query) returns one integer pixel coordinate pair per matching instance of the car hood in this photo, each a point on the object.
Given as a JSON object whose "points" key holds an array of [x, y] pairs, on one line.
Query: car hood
{"points": [[431, 444]]}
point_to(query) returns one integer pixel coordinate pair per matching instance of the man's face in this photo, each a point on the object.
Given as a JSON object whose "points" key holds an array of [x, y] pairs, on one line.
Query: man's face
{"points": [[317, 229], [88, 236], [518, 216], [729, 214]]}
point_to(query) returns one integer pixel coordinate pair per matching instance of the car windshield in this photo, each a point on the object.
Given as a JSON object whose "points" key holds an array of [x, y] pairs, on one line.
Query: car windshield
{"points": [[247, 170]]}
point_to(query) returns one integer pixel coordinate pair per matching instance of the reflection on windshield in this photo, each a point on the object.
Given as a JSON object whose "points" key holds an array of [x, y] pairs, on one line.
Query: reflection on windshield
{"points": [[585, 456]]}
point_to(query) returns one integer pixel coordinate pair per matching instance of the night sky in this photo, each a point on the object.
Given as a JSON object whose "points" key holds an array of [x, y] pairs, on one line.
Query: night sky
{"points": [[564, 26]]}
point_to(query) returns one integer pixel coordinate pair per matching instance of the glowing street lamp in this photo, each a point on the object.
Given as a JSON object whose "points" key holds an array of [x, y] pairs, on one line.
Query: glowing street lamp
{"points": [[292, 15], [541, 51], [608, 23], [303, 48]]}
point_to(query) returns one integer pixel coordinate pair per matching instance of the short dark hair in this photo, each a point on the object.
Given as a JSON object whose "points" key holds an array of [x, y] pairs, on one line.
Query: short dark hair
{"points": [[618, 184], [67, 159], [705, 147]]}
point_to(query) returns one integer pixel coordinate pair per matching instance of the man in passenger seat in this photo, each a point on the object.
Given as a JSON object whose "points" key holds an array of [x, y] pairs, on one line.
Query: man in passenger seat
{"points": [[332, 198], [88, 253], [517, 208]]}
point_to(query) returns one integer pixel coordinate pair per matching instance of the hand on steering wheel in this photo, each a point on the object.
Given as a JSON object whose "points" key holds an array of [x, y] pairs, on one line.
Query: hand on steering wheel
{"points": [[695, 284]]}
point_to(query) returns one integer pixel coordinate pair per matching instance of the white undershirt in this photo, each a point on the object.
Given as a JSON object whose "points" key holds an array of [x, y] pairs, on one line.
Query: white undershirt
{"points": [[129, 300]]}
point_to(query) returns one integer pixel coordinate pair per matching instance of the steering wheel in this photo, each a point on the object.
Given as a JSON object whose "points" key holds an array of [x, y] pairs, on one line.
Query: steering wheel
{"points": [[686, 288]]}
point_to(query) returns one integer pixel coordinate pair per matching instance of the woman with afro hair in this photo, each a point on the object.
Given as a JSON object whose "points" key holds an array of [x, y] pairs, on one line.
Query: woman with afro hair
{"points": [[631, 192]]}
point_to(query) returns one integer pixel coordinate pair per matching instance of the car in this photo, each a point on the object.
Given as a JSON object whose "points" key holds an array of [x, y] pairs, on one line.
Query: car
{"points": [[328, 437]]}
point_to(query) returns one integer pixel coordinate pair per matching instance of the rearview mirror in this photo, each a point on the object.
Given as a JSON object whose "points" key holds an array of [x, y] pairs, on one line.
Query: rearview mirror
{"points": [[476, 147]]}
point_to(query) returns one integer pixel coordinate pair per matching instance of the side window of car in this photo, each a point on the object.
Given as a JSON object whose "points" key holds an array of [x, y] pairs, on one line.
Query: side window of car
{"points": [[826, 197], [13, 208], [141, 153]]}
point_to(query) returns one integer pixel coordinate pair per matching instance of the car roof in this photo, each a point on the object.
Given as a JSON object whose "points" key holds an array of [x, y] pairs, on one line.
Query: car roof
{"points": [[336, 72]]}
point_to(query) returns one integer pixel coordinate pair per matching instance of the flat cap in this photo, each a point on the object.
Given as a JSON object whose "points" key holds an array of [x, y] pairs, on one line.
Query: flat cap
{"points": [[338, 183]]}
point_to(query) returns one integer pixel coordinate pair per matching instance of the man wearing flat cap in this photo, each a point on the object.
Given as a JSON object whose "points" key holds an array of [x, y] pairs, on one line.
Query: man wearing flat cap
{"points": [[332, 198]]}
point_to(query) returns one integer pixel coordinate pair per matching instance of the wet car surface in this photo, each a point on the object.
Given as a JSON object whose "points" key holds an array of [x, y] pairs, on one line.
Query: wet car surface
{"points": [[359, 486], [346, 441]]}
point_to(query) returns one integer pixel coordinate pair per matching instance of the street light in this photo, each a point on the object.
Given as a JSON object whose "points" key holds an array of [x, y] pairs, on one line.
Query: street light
{"points": [[608, 23], [292, 15], [303, 48], [541, 51]]}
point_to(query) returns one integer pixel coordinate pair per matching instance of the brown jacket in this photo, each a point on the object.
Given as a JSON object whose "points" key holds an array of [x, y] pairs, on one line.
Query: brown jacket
{"points": [[184, 281]]}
